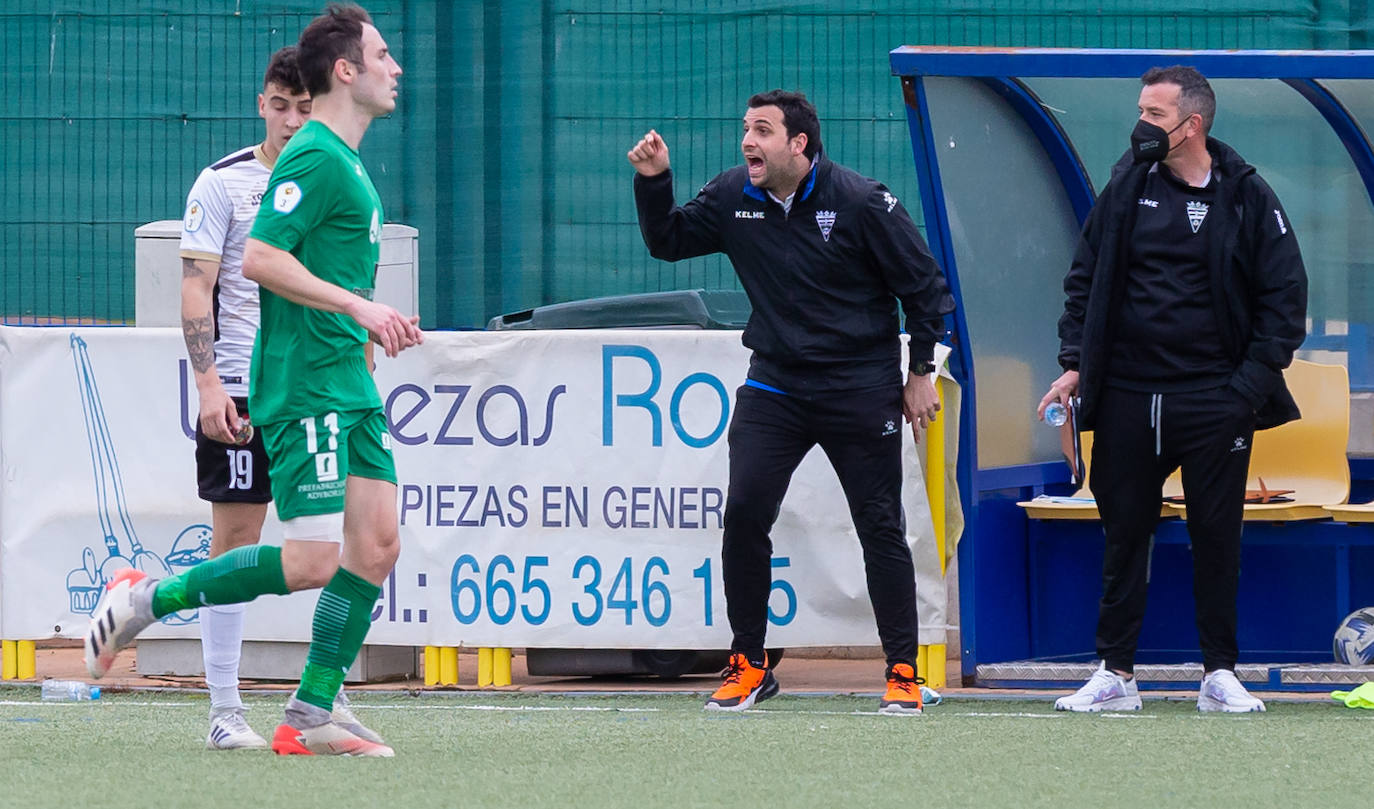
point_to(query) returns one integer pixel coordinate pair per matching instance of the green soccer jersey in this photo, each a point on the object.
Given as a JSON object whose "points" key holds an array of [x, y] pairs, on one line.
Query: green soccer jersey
{"points": [[321, 207]]}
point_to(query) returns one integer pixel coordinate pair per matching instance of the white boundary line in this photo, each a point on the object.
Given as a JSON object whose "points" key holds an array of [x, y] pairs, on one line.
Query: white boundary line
{"points": [[93, 703], [593, 709], [722, 714]]}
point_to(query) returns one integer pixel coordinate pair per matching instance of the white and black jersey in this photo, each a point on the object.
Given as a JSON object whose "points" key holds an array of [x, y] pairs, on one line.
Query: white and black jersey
{"points": [[219, 215]]}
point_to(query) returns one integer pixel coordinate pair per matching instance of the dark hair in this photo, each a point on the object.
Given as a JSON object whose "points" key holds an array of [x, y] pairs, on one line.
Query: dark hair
{"points": [[283, 71], [1195, 94], [336, 34], [798, 116]]}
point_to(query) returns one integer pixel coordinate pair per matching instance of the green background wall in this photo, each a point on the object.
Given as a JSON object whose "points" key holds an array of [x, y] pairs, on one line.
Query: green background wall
{"points": [[507, 148]]}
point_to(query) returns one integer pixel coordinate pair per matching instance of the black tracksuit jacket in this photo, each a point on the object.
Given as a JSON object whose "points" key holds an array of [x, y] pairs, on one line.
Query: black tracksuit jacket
{"points": [[824, 279], [1259, 285]]}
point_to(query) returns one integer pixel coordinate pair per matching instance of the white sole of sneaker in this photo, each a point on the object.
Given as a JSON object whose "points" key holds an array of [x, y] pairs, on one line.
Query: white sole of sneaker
{"points": [[740, 708], [899, 710], [210, 745], [1111, 705], [1209, 705]]}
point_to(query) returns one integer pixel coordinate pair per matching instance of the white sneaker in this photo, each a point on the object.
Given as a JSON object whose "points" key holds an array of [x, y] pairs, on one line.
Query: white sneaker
{"points": [[1221, 691], [1104, 691], [230, 731], [125, 609], [343, 716]]}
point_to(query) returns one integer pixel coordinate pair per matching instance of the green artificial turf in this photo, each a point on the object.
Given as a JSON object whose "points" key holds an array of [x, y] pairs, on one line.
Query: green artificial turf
{"points": [[508, 750]]}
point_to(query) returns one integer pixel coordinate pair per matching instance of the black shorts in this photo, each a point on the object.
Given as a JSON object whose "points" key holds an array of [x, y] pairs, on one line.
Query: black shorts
{"points": [[228, 473]]}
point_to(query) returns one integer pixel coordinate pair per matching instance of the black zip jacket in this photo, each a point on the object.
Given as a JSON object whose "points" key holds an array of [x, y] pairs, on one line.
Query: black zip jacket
{"points": [[824, 279], [1259, 285]]}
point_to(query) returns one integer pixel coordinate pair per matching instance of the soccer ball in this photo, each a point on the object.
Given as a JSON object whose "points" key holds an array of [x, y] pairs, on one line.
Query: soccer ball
{"points": [[1354, 641]]}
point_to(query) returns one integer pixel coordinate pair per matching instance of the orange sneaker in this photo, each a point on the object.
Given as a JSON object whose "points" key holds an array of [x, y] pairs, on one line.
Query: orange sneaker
{"points": [[745, 684], [328, 740], [903, 696]]}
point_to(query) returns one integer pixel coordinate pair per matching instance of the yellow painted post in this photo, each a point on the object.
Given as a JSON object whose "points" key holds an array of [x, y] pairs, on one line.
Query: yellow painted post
{"points": [[930, 658], [27, 663], [935, 474], [935, 666], [483, 667], [431, 665], [500, 667], [9, 659], [448, 665]]}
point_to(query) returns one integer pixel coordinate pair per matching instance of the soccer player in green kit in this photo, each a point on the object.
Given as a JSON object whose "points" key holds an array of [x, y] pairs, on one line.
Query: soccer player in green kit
{"points": [[313, 249]]}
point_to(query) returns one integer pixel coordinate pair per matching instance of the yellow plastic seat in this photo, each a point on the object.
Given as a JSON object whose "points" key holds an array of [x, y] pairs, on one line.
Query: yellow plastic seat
{"points": [[1350, 512]]}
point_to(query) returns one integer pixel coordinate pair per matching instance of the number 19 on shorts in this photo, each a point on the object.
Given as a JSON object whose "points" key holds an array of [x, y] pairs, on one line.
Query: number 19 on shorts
{"points": [[240, 469], [326, 457]]}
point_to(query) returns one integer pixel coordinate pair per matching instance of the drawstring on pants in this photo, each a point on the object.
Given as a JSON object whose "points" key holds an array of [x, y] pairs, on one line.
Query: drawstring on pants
{"points": [[1157, 418]]}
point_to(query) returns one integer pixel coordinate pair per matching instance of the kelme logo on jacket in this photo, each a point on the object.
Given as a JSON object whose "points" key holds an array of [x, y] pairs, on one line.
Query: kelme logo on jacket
{"points": [[826, 220]]}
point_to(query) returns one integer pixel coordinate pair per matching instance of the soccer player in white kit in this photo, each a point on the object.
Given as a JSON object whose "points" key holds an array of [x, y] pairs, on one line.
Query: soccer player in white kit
{"points": [[219, 319]]}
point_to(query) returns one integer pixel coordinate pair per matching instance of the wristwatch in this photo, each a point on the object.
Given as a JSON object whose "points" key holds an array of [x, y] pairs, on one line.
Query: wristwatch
{"points": [[923, 367]]}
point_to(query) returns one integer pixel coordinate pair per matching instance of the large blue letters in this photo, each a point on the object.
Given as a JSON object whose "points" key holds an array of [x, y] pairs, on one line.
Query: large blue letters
{"points": [[611, 399]]}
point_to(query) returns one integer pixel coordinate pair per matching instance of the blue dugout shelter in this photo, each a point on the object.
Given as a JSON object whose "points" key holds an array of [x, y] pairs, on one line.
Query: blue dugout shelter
{"points": [[1011, 147]]}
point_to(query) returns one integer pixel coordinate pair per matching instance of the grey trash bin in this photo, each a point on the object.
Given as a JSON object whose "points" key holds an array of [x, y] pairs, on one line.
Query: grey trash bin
{"points": [[680, 309]]}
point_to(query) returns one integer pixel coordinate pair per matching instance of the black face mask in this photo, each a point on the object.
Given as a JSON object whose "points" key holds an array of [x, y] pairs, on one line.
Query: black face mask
{"points": [[1149, 142]]}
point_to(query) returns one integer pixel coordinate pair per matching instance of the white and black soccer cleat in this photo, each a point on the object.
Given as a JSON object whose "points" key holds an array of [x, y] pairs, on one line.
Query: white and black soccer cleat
{"points": [[124, 611]]}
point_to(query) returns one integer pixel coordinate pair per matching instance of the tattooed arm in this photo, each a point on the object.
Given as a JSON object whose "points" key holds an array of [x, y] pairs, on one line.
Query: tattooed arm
{"points": [[219, 419]]}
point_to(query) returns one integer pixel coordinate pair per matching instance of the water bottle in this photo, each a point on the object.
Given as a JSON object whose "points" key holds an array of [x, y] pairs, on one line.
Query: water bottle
{"points": [[1056, 414], [68, 691]]}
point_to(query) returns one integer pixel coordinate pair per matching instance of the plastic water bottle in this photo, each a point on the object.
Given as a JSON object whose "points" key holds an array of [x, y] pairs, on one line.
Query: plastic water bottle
{"points": [[1056, 414], [68, 691]]}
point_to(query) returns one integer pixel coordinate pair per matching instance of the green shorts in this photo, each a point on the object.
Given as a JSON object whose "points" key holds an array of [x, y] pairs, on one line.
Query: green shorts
{"points": [[311, 459]]}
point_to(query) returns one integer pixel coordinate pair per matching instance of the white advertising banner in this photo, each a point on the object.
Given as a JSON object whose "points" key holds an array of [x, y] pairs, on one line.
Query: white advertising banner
{"points": [[556, 489]]}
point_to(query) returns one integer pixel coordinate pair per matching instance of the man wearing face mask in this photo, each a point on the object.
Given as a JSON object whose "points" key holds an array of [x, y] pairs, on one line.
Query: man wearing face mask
{"points": [[824, 255], [1186, 300]]}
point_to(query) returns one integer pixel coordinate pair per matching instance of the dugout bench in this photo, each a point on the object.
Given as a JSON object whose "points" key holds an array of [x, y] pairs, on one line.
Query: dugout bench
{"points": [[1010, 147]]}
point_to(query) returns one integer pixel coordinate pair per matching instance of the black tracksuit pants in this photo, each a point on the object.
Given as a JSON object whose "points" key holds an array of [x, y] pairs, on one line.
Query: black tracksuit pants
{"points": [[860, 433], [1139, 440]]}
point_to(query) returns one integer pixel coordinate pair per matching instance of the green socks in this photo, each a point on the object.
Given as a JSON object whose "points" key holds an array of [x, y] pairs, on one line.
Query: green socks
{"points": [[342, 618], [242, 574]]}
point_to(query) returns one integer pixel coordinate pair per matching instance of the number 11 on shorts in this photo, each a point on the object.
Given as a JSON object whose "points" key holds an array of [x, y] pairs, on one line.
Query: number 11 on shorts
{"points": [[326, 463]]}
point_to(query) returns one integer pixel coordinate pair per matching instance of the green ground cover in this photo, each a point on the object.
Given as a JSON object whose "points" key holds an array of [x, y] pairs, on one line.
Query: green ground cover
{"points": [[506, 750]]}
